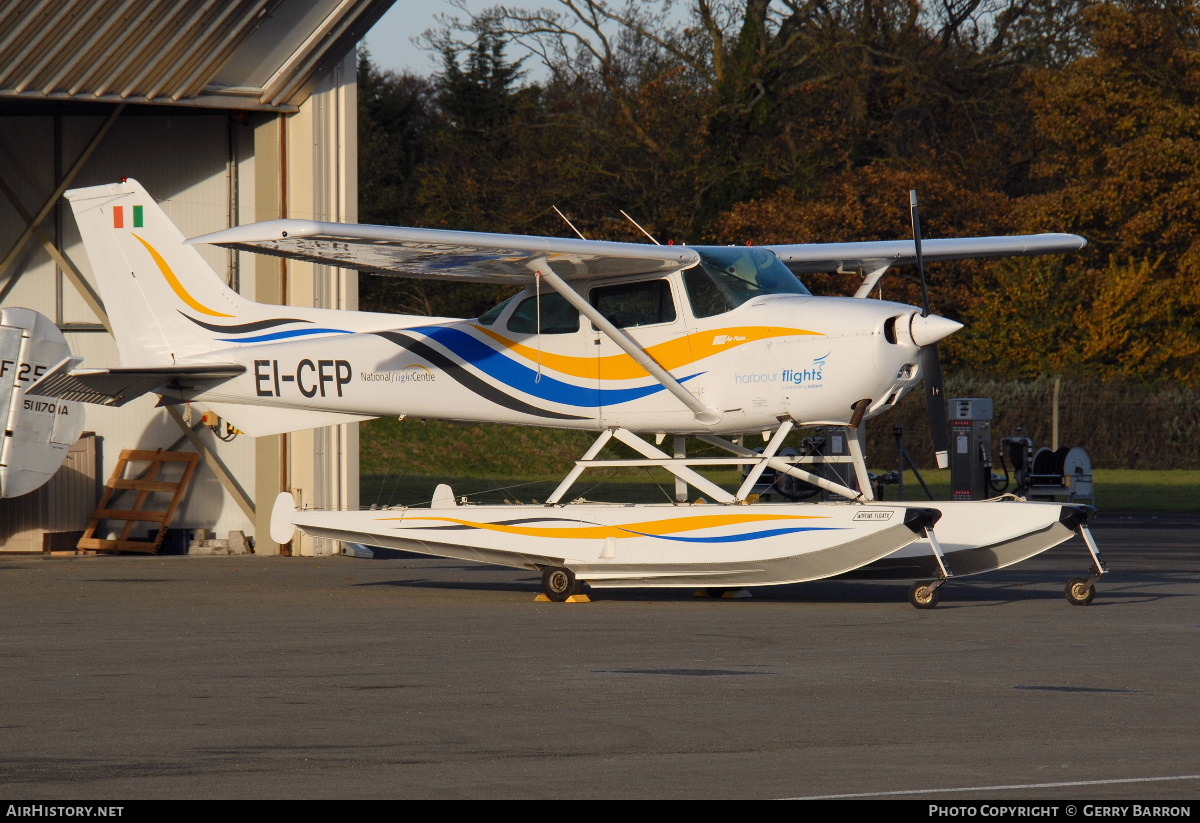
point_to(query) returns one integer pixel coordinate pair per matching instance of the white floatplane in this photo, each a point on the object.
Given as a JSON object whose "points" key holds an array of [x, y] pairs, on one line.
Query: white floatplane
{"points": [[636, 341]]}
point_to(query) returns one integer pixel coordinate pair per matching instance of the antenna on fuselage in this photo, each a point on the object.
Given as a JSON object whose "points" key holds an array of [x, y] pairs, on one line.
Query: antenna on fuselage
{"points": [[569, 223], [639, 228]]}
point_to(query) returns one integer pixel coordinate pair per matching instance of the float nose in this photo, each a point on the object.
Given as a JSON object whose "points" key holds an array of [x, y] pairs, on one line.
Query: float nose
{"points": [[930, 329]]}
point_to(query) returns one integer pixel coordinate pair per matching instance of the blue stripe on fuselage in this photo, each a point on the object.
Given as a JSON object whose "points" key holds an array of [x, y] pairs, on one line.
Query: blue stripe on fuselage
{"points": [[500, 367], [282, 335]]}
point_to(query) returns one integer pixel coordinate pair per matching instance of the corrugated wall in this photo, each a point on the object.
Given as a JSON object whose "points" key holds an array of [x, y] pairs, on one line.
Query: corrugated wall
{"points": [[203, 169], [191, 165], [52, 517]]}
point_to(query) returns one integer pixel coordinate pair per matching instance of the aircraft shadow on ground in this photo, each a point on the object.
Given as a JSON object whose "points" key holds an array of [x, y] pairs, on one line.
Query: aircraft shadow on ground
{"points": [[531, 585], [956, 594]]}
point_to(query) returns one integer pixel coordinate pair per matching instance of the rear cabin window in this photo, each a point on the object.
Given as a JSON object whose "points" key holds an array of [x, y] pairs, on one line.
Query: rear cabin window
{"points": [[557, 316], [635, 304]]}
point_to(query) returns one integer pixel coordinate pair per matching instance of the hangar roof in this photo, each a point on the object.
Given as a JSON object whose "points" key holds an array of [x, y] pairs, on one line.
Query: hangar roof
{"points": [[233, 54]]}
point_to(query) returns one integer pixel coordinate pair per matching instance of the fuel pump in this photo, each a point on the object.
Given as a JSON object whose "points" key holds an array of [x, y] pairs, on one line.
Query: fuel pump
{"points": [[971, 448]]}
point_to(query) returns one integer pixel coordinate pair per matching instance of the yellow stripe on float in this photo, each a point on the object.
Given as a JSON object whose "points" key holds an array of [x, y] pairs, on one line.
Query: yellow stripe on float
{"points": [[596, 532]]}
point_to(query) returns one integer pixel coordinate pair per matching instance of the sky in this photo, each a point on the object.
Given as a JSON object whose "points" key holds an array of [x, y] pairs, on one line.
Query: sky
{"points": [[389, 40]]}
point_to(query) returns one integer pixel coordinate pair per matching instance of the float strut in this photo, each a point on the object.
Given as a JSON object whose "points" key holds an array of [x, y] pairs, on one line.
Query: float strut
{"points": [[940, 557], [1098, 567]]}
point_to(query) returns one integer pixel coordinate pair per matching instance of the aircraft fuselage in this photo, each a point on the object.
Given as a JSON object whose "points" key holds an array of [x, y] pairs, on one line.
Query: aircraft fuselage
{"points": [[778, 355]]}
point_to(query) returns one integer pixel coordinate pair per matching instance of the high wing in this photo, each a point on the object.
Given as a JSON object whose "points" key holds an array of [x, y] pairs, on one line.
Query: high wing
{"points": [[443, 254], [806, 258], [506, 258]]}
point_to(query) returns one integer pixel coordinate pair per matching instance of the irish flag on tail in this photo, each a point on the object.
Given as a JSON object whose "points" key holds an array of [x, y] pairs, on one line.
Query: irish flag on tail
{"points": [[127, 217]]}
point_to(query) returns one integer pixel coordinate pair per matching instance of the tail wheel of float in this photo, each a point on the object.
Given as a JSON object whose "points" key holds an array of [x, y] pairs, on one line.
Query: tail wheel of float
{"points": [[925, 595], [1080, 591]]}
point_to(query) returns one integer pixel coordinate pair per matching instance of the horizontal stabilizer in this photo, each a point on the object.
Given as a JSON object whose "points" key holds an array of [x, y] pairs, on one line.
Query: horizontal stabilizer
{"points": [[116, 387], [260, 421]]}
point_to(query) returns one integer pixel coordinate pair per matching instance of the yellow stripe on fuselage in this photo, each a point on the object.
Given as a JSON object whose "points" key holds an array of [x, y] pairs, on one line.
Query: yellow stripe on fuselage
{"points": [[671, 354], [174, 283], [597, 532]]}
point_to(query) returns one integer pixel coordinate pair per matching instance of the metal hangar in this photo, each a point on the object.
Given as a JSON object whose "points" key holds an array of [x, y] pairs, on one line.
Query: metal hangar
{"points": [[228, 112]]}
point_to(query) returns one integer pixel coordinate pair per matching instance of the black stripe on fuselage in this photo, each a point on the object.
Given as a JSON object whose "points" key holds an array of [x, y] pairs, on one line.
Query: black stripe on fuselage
{"points": [[241, 328], [469, 381]]}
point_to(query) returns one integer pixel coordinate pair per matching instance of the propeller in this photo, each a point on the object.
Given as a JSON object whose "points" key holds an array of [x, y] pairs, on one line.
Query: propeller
{"points": [[930, 360]]}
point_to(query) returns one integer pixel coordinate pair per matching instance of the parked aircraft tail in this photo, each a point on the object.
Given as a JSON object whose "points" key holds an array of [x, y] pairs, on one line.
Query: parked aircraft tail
{"points": [[173, 316], [37, 431], [164, 301]]}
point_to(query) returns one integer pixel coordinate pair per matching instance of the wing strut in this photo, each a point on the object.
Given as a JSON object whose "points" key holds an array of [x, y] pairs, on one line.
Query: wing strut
{"points": [[704, 414], [870, 279]]}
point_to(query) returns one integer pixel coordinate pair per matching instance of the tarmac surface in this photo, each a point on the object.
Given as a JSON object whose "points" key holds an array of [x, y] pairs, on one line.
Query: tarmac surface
{"points": [[253, 677]]}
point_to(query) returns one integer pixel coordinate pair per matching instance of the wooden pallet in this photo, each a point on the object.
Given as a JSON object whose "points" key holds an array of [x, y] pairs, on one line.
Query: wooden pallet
{"points": [[145, 485]]}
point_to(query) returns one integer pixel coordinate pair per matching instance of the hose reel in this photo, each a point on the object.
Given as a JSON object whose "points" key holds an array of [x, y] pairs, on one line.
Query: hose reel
{"points": [[1044, 473], [1067, 468]]}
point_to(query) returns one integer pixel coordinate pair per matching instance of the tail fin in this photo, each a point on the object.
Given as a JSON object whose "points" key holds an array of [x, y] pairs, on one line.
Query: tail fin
{"points": [[163, 300]]}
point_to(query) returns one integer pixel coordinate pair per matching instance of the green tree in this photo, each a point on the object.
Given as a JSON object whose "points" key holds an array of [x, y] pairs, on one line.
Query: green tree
{"points": [[771, 121], [395, 126], [1022, 321], [395, 121], [1119, 162], [1118, 132]]}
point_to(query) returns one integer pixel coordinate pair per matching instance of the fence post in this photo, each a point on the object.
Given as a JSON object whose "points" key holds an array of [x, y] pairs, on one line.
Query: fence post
{"points": [[1054, 416]]}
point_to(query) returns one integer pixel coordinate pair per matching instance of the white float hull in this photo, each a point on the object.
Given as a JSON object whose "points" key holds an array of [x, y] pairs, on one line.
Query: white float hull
{"points": [[637, 545], [980, 536]]}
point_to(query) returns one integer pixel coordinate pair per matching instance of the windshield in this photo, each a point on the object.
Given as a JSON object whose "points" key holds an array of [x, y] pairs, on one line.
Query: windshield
{"points": [[728, 276]]}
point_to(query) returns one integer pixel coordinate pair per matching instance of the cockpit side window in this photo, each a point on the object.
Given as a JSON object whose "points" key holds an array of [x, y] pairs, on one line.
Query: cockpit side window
{"points": [[557, 316], [643, 303], [728, 276], [703, 293]]}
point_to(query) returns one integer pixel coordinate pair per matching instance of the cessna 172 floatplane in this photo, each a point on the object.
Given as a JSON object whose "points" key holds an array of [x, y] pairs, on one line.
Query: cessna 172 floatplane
{"points": [[635, 341]]}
